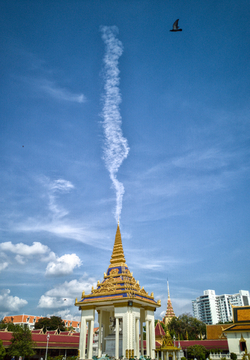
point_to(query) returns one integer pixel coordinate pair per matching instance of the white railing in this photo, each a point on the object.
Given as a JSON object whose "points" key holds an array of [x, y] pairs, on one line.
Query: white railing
{"points": [[219, 356]]}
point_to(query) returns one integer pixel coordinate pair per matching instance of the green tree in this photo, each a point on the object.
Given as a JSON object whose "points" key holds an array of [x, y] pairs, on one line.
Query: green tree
{"points": [[197, 351], [3, 324], [233, 356], [185, 325], [2, 350], [9, 325], [21, 342], [53, 323]]}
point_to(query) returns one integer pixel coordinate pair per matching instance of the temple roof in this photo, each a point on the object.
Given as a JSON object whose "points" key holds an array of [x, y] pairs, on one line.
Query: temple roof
{"points": [[241, 319], [170, 311], [117, 257], [118, 283], [159, 331], [168, 344]]}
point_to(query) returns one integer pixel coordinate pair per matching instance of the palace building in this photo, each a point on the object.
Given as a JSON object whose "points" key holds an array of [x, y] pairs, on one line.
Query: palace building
{"points": [[30, 321], [123, 307]]}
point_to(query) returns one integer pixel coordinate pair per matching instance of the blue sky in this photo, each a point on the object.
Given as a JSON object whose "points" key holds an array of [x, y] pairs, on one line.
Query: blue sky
{"points": [[105, 113]]}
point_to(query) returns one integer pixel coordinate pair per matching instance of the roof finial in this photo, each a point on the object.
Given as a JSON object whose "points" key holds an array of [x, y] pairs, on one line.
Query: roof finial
{"points": [[117, 258]]}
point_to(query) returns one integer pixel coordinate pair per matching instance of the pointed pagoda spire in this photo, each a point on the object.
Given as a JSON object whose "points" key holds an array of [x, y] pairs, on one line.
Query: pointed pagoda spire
{"points": [[117, 257], [118, 283], [170, 311], [168, 290]]}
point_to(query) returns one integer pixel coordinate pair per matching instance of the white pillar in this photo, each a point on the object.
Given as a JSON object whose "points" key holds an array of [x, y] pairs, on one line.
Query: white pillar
{"points": [[124, 335], [147, 338], [152, 339], [100, 335], [137, 348], [117, 338], [142, 349], [82, 342], [90, 339], [130, 334]]}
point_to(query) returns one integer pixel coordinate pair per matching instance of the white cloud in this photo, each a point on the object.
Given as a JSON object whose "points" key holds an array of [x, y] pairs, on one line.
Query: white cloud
{"points": [[63, 265], [57, 266], [200, 170], [73, 288], [63, 295], [63, 229], [138, 259], [3, 265], [20, 259], [66, 314], [208, 159], [10, 303], [48, 302], [56, 223], [61, 186], [25, 250], [59, 93], [116, 147]]}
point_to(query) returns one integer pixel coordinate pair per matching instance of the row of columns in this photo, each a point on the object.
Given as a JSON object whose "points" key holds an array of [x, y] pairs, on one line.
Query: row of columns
{"points": [[87, 322], [165, 355], [130, 337]]}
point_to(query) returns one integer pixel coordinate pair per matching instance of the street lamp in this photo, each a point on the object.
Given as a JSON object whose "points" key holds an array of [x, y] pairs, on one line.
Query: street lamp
{"points": [[47, 347]]}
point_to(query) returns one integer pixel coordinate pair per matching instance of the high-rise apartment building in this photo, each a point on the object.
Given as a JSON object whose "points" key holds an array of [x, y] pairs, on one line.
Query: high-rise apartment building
{"points": [[211, 308]]}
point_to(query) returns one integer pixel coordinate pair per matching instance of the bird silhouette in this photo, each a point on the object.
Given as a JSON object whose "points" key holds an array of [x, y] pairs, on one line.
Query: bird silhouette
{"points": [[175, 26]]}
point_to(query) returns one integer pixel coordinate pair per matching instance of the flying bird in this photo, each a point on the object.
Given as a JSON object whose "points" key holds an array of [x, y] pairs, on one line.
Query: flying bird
{"points": [[175, 26]]}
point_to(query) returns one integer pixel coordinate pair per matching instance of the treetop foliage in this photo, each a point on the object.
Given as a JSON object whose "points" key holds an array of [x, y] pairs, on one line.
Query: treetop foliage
{"points": [[197, 351], [7, 325], [21, 342], [53, 323], [187, 326], [2, 350]]}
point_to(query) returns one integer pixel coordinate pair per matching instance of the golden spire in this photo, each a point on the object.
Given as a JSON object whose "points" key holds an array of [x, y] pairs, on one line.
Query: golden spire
{"points": [[117, 257], [170, 311]]}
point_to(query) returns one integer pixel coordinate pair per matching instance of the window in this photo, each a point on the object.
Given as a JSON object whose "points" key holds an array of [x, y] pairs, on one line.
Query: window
{"points": [[243, 346]]}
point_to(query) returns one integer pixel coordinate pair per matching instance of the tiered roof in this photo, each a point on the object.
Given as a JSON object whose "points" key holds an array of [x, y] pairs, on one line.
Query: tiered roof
{"points": [[118, 283], [241, 319], [170, 311], [159, 334]]}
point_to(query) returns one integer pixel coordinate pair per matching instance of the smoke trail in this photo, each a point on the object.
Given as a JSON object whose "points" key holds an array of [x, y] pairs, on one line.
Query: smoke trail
{"points": [[115, 146]]}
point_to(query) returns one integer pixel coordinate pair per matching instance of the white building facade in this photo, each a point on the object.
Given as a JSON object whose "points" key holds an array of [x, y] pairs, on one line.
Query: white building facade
{"points": [[211, 308]]}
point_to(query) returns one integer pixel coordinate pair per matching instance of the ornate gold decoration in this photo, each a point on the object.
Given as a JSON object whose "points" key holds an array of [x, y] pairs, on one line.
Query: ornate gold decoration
{"points": [[118, 284], [114, 272], [117, 257], [170, 311]]}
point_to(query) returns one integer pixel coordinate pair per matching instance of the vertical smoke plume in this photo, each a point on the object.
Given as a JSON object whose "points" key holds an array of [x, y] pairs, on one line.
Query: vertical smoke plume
{"points": [[115, 146]]}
